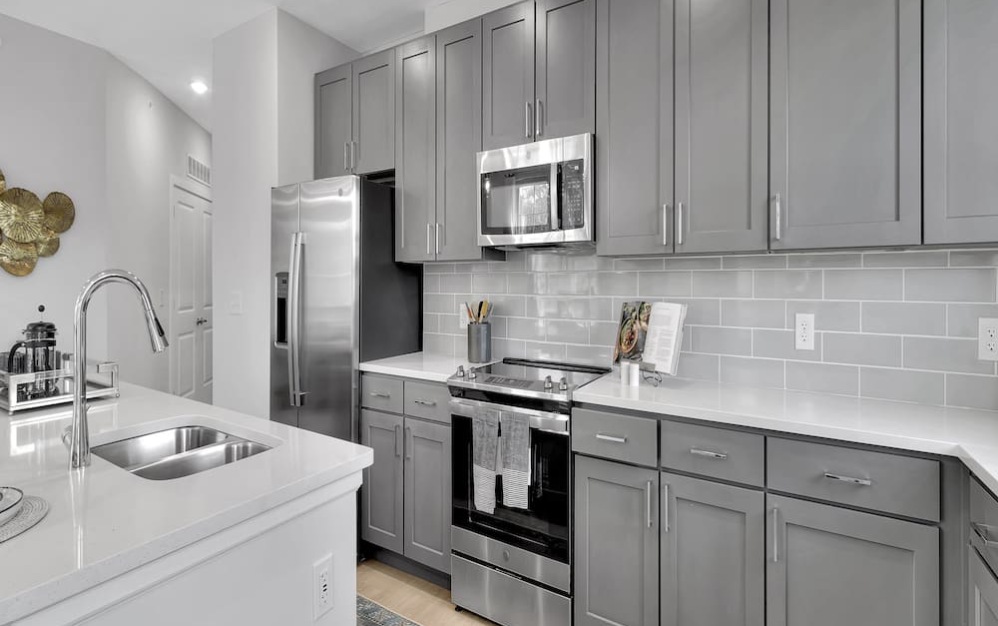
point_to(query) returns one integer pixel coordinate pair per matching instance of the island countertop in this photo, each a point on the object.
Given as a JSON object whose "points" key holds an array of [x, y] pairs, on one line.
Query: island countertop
{"points": [[104, 521]]}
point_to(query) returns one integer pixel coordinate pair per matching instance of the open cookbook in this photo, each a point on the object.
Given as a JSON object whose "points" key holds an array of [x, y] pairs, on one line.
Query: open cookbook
{"points": [[652, 333]]}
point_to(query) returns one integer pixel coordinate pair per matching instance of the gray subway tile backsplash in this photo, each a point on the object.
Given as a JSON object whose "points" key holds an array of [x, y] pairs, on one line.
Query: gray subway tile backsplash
{"points": [[892, 325]]}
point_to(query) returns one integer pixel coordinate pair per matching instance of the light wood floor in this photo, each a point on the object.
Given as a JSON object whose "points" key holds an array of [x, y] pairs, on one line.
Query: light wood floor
{"points": [[411, 597]]}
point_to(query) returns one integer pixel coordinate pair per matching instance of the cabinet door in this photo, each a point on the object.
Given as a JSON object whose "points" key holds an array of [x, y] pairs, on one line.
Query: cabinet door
{"points": [[415, 151], [374, 113], [459, 139], [845, 113], [848, 567], [616, 544], [961, 121], [983, 593], [427, 493], [508, 55], [565, 98], [713, 554], [381, 495], [722, 122], [634, 127], [333, 121]]}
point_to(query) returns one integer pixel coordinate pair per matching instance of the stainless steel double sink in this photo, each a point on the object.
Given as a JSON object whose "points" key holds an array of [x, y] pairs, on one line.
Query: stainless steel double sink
{"points": [[177, 452]]}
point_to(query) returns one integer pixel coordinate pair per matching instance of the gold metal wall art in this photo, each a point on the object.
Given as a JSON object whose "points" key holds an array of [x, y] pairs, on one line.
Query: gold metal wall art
{"points": [[30, 228]]}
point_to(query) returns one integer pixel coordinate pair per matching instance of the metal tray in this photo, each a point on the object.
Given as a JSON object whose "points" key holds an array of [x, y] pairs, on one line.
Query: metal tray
{"points": [[23, 392]]}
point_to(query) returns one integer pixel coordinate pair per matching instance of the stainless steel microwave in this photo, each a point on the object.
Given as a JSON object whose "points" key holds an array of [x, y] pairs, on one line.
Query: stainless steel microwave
{"points": [[537, 194]]}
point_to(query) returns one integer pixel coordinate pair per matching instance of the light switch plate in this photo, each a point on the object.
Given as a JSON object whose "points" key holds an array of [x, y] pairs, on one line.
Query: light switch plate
{"points": [[987, 339], [804, 331]]}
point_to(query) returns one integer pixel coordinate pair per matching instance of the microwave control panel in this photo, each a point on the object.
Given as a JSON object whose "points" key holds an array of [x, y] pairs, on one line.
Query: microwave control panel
{"points": [[573, 193]]}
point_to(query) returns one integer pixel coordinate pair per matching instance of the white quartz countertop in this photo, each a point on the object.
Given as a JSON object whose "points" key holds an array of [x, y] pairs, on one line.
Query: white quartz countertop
{"points": [[968, 434], [426, 366], [104, 521]]}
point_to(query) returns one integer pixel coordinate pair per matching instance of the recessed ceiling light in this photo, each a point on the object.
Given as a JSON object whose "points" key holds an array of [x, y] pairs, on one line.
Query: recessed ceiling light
{"points": [[199, 87]]}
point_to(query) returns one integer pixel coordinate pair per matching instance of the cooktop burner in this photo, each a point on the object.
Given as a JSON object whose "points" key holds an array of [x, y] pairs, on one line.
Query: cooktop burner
{"points": [[524, 377]]}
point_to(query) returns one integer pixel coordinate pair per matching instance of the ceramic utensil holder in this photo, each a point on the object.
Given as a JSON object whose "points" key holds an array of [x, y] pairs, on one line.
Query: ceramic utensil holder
{"points": [[479, 342]]}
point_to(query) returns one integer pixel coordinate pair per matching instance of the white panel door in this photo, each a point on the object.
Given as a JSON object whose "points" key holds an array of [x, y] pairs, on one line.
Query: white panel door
{"points": [[191, 315]]}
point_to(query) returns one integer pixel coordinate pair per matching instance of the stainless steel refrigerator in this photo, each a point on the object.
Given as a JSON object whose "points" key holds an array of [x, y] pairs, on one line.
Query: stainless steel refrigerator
{"points": [[337, 298]]}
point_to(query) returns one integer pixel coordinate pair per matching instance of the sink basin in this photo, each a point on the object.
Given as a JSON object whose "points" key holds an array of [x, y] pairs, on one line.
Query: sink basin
{"points": [[177, 452]]}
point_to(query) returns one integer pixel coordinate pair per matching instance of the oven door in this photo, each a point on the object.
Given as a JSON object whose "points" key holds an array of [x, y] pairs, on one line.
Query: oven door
{"points": [[543, 527]]}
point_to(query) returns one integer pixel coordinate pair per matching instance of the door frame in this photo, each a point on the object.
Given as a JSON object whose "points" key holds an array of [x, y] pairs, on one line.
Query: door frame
{"points": [[195, 188]]}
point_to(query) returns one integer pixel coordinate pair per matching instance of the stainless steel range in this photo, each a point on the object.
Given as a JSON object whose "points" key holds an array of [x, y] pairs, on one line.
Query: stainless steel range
{"points": [[512, 564]]}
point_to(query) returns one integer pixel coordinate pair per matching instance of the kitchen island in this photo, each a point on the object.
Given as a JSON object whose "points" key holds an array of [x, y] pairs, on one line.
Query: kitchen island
{"points": [[241, 543]]}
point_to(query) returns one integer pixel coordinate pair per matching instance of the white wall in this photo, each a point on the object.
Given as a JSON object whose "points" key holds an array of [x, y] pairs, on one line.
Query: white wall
{"points": [[52, 130], [450, 12], [261, 124]]}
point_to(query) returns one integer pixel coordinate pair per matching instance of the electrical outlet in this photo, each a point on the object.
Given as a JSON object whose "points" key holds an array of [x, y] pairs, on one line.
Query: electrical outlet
{"points": [[322, 592], [462, 316], [804, 331], [987, 339]]}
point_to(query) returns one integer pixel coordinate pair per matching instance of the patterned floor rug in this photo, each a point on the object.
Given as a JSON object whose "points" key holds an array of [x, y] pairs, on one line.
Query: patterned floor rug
{"points": [[373, 614]]}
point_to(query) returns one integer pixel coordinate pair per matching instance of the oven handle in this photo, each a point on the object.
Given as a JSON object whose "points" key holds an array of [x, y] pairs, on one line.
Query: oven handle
{"points": [[556, 423]]}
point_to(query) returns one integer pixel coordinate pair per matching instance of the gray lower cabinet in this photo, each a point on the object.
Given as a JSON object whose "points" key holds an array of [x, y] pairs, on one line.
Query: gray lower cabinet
{"points": [[616, 544], [845, 123], [508, 71], [428, 493], [381, 501], [634, 127], [415, 151], [961, 120], [333, 122], [565, 87], [829, 566], [713, 554], [982, 599], [374, 113], [722, 125]]}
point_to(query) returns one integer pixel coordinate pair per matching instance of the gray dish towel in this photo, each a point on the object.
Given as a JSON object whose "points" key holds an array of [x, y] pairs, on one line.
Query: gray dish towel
{"points": [[484, 455], [515, 460]]}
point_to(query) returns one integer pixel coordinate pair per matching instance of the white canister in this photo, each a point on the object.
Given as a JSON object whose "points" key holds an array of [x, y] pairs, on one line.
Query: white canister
{"points": [[634, 375]]}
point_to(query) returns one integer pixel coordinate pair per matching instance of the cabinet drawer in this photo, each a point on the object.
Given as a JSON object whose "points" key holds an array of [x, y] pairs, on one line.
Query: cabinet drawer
{"points": [[880, 481], [613, 436], [984, 522], [428, 401], [715, 452], [381, 392]]}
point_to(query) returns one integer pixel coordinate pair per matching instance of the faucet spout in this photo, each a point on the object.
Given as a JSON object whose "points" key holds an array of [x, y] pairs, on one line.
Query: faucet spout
{"points": [[79, 446]]}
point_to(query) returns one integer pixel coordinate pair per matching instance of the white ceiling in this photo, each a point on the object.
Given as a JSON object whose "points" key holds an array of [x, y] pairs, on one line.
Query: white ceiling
{"points": [[169, 41]]}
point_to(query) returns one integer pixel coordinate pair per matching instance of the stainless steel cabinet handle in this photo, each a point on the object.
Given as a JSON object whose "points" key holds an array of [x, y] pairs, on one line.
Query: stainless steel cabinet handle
{"points": [[776, 535], [665, 224], [346, 156], [778, 205], [429, 239], [425, 402], [437, 239], [398, 440], [528, 115], [679, 224], [408, 443], [665, 507], [611, 438], [720, 456], [378, 394], [863, 482], [984, 531], [353, 156], [539, 123], [648, 503]]}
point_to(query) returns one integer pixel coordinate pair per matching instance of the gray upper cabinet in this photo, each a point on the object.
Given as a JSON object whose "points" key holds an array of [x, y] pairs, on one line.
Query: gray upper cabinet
{"points": [[415, 151], [382, 494], [616, 544], [428, 493], [982, 599], [848, 567], [961, 121], [374, 113], [565, 96], [845, 115], [713, 554], [459, 139], [508, 89], [333, 121], [634, 127], [722, 122]]}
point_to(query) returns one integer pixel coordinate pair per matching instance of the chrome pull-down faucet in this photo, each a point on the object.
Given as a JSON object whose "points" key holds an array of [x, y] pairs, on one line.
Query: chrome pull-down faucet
{"points": [[79, 446]]}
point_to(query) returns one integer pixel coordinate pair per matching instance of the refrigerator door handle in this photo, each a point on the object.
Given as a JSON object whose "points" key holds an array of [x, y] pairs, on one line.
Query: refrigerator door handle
{"points": [[294, 320]]}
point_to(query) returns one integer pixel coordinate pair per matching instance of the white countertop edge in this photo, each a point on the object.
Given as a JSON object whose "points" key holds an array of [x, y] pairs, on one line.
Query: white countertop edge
{"points": [[403, 372], [427, 366]]}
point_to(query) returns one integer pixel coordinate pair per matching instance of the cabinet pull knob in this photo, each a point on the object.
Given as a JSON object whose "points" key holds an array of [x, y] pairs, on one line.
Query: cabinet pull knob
{"points": [[776, 535], [720, 456], [648, 518], [346, 156], [611, 438], [437, 231], [778, 206], [408, 443], [378, 394], [398, 441], [665, 224], [539, 123], [425, 402], [984, 531], [429, 239], [679, 224], [665, 507], [527, 117], [353, 156], [862, 482]]}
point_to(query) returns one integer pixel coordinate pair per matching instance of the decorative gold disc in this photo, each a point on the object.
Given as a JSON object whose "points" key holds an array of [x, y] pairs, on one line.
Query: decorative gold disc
{"points": [[18, 259], [21, 215], [47, 244], [60, 212]]}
